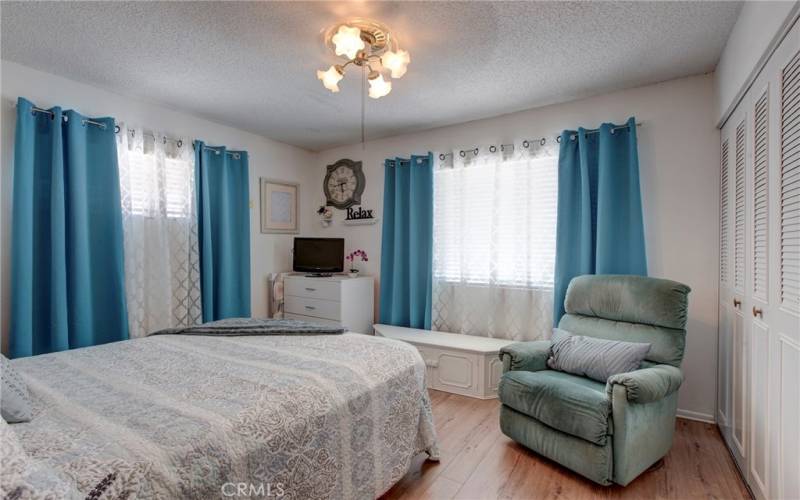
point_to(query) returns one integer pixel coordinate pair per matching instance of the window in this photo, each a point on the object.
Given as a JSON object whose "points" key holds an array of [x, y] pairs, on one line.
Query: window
{"points": [[157, 184], [495, 222], [494, 244]]}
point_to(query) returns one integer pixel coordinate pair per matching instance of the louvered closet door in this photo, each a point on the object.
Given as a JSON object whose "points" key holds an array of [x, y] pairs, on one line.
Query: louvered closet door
{"points": [[733, 379], [725, 343], [758, 291], [782, 315], [759, 329], [739, 340]]}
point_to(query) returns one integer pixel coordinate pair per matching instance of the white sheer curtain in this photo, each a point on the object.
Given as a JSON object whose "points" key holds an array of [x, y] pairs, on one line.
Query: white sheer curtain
{"points": [[162, 262], [494, 242]]}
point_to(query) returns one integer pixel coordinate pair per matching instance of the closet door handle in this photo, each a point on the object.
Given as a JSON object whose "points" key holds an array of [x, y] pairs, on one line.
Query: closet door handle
{"points": [[310, 308], [737, 303], [758, 312], [311, 289]]}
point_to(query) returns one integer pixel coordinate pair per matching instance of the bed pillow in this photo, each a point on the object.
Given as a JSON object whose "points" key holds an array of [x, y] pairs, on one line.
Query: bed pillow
{"points": [[597, 359], [23, 477], [15, 403]]}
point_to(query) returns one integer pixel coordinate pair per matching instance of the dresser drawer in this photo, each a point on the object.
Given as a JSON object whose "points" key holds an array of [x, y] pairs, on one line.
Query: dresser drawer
{"points": [[312, 288], [311, 319], [326, 309]]}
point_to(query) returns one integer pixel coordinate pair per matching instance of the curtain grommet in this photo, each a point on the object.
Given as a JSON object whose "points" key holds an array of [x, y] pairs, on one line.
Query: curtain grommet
{"points": [[543, 141], [475, 151], [462, 153], [493, 148], [558, 139]]}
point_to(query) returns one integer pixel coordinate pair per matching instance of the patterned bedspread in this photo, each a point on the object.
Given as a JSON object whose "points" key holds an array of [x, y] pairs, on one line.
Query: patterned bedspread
{"points": [[174, 416]]}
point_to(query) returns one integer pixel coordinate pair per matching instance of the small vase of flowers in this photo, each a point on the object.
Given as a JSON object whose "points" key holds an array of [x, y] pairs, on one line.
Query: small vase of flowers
{"points": [[351, 258], [325, 215]]}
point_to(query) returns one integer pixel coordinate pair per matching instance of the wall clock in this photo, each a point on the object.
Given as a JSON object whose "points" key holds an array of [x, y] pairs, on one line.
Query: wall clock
{"points": [[344, 184]]}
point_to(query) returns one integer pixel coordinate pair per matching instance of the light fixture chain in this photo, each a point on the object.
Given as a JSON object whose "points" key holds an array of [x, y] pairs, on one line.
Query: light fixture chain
{"points": [[363, 106]]}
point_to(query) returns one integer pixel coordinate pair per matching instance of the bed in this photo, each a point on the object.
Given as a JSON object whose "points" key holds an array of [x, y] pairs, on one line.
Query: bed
{"points": [[178, 416]]}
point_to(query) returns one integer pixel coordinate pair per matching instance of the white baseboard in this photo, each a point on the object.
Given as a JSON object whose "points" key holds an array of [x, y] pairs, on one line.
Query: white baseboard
{"points": [[695, 415]]}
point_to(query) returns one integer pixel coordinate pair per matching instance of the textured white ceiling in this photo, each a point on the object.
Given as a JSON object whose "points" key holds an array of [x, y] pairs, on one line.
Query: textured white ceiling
{"points": [[252, 64]]}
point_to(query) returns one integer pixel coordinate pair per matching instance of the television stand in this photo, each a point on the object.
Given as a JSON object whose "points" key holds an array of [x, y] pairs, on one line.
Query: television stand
{"points": [[318, 275]]}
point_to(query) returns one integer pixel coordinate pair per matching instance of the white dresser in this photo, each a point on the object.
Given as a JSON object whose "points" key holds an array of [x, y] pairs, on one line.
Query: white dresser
{"points": [[461, 364], [335, 300]]}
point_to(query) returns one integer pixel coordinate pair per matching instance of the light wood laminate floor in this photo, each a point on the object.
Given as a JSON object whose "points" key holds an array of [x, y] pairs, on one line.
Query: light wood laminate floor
{"points": [[479, 462]]}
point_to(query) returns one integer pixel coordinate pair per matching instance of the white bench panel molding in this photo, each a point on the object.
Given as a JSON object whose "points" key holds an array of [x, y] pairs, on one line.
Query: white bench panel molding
{"points": [[457, 363]]}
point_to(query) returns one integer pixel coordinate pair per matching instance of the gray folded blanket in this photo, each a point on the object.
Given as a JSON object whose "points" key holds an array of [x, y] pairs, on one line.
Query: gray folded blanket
{"points": [[236, 327]]}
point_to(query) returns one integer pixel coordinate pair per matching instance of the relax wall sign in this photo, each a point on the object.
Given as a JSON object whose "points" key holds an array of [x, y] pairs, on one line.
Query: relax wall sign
{"points": [[357, 216], [358, 213]]}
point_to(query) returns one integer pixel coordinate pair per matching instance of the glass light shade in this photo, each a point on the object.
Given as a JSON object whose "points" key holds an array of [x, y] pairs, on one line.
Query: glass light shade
{"points": [[330, 78], [378, 87], [347, 41], [396, 62]]}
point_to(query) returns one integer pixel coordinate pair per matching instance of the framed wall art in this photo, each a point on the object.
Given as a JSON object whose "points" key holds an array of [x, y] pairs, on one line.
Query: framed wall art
{"points": [[279, 206]]}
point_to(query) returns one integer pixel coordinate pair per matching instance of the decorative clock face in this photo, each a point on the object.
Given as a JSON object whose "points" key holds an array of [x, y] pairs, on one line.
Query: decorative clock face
{"points": [[344, 184]]}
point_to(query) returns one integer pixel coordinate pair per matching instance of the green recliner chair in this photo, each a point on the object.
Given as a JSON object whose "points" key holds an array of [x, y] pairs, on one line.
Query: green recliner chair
{"points": [[612, 432]]}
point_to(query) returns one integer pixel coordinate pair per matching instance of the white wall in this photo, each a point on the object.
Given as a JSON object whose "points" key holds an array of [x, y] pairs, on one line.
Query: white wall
{"points": [[756, 27], [268, 158], [678, 151]]}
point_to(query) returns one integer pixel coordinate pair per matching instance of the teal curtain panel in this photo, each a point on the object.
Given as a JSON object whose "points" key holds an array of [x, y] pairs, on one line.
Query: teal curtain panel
{"points": [[599, 228], [223, 226], [407, 242], [67, 277]]}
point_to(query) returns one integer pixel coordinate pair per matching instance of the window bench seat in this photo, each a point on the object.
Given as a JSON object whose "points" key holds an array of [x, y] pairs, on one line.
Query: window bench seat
{"points": [[461, 364]]}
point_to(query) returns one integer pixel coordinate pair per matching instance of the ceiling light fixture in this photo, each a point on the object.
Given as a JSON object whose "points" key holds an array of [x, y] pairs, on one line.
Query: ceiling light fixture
{"points": [[330, 79], [369, 45], [378, 87]]}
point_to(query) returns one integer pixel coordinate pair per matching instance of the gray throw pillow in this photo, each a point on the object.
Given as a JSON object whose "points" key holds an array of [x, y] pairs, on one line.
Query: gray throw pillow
{"points": [[15, 403], [594, 358]]}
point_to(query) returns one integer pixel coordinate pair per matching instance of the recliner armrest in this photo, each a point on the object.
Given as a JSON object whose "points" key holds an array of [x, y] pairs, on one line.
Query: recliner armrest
{"points": [[648, 384], [525, 356]]}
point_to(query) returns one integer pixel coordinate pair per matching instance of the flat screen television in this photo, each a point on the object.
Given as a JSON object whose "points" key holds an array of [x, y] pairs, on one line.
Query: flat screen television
{"points": [[318, 255]]}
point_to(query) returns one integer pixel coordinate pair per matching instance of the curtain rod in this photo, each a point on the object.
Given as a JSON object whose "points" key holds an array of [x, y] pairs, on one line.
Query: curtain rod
{"points": [[84, 121], [103, 126], [527, 143], [178, 142], [34, 109], [216, 150]]}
